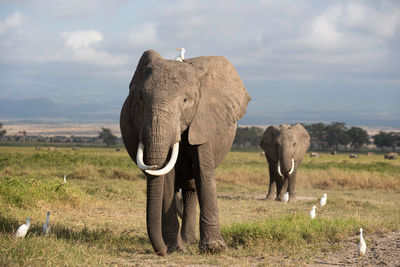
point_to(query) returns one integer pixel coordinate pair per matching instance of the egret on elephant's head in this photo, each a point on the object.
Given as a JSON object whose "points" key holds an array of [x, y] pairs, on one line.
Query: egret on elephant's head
{"points": [[181, 56]]}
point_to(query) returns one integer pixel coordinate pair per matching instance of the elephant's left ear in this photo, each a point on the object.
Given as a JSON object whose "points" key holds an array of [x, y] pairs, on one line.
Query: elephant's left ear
{"points": [[303, 140], [223, 98]]}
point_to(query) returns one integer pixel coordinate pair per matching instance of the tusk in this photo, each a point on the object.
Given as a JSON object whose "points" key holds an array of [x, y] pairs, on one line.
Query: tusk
{"points": [[139, 159], [279, 168], [170, 165], [292, 169]]}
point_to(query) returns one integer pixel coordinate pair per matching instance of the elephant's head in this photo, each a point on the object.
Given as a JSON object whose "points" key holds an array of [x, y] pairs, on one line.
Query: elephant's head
{"points": [[166, 98], [285, 144]]}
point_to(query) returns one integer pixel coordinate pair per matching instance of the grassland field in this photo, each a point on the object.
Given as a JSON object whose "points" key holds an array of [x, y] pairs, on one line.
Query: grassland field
{"points": [[98, 216]]}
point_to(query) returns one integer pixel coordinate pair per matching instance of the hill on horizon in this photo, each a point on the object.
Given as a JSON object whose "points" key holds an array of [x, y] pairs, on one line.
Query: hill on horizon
{"points": [[47, 110]]}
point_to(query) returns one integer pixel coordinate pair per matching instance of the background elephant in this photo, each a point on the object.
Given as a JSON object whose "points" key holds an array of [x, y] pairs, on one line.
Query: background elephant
{"points": [[285, 147], [178, 123]]}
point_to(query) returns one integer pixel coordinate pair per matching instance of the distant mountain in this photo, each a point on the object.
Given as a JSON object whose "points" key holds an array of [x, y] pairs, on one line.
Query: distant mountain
{"points": [[44, 108]]}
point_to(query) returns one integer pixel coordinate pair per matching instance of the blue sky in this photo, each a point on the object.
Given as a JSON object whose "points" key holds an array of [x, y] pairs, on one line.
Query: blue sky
{"points": [[301, 61]]}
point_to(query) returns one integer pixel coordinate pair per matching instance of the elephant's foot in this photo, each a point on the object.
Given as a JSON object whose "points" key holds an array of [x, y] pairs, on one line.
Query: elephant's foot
{"points": [[293, 198], [176, 248], [269, 197], [212, 246], [188, 238]]}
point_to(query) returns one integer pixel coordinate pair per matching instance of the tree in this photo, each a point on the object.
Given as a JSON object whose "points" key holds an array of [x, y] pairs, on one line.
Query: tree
{"points": [[2, 131], [317, 132], [108, 138], [358, 137], [336, 135], [246, 136], [383, 140]]}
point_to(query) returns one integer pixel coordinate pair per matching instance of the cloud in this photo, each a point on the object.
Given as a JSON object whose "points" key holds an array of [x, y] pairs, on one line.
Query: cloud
{"points": [[11, 22], [82, 39], [83, 42], [143, 34], [75, 8]]}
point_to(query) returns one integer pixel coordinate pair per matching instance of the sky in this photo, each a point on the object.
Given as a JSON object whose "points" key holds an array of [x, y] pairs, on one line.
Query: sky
{"points": [[301, 61]]}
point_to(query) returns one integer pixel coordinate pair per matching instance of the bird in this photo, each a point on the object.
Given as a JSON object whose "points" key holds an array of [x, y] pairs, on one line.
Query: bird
{"points": [[23, 229], [322, 201], [46, 225], [362, 247], [312, 212], [286, 197], [65, 179], [181, 56]]}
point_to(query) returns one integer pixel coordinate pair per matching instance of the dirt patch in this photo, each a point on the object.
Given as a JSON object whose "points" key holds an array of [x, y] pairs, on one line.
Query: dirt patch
{"points": [[256, 197], [381, 251]]}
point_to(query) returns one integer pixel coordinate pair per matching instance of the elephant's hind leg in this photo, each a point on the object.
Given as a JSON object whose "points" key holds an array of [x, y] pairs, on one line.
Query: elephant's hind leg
{"points": [[188, 230]]}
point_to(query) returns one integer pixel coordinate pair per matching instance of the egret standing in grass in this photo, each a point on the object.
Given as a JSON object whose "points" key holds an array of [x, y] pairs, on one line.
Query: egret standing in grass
{"points": [[65, 179], [181, 55], [46, 225], [286, 197], [23, 229], [312, 212], [362, 247], [322, 201]]}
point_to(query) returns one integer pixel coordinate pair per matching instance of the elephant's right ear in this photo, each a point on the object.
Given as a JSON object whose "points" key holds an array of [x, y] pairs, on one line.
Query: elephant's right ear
{"points": [[148, 57], [268, 142]]}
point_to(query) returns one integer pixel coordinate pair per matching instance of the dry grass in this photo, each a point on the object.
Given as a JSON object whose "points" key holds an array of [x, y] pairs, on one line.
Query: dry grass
{"points": [[99, 214]]}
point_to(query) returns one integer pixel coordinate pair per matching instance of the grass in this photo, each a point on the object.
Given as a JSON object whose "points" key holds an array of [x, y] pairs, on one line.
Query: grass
{"points": [[98, 216]]}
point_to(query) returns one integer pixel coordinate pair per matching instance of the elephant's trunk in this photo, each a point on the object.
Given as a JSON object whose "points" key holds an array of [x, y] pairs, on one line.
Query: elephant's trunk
{"points": [[161, 131], [155, 190], [286, 164]]}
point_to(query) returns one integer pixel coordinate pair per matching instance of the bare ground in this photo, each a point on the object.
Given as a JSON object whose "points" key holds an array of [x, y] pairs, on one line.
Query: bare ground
{"points": [[382, 250]]}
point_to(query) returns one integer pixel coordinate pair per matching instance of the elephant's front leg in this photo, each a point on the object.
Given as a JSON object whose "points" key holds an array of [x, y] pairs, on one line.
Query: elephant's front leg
{"points": [[170, 223], [272, 180], [210, 233]]}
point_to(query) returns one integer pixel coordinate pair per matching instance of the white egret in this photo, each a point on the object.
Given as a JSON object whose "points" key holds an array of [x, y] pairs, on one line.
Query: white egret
{"points": [[65, 179], [362, 247], [312, 212], [46, 225], [322, 201], [286, 197], [181, 56], [23, 229]]}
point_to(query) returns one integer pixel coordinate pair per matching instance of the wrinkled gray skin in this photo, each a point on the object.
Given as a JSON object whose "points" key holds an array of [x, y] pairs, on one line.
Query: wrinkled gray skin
{"points": [[196, 103], [281, 144]]}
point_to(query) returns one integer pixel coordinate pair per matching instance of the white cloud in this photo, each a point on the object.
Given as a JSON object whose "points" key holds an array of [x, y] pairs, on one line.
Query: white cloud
{"points": [[99, 58], [143, 34], [11, 22], [82, 39]]}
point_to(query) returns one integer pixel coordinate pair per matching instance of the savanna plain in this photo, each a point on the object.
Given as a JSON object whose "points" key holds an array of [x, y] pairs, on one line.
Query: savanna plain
{"points": [[98, 215]]}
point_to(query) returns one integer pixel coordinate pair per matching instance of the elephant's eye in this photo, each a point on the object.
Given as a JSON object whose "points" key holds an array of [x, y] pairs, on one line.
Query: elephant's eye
{"points": [[294, 144], [185, 100]]}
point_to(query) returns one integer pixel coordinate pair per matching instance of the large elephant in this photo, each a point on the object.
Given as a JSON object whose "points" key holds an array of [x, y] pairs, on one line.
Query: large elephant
{"points": [[178, 123], [285, 147]]}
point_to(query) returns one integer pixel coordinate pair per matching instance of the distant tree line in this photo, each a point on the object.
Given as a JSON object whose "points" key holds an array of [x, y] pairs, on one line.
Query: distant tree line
{"points": [[326, 137], [105, 136]]}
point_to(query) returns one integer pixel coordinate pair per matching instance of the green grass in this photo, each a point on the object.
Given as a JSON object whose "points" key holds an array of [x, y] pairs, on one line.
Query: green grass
{"points": [[98, 216]]}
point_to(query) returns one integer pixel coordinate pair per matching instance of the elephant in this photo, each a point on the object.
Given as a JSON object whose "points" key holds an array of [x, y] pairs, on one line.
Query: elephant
{"points": [[178, 123], [285, 147]]}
